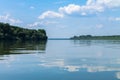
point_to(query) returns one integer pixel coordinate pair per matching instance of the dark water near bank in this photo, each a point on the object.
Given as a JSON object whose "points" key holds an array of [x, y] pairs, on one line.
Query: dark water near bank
{"points": [[60, 60]]}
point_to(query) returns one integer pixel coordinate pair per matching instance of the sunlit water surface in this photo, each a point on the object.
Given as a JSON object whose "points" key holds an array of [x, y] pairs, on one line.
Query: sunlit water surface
{"points": [[60, 60]]}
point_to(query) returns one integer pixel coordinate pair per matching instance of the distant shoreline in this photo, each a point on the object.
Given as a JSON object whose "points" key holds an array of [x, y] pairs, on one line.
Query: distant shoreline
{"points": [[58, 38], [90, 37]]}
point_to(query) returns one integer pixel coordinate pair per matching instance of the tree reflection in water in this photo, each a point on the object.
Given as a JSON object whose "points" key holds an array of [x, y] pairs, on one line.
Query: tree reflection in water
{"points": [[18, 47]]}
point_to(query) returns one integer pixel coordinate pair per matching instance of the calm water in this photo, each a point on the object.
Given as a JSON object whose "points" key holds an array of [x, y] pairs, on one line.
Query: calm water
{"points": [[60, 60]]}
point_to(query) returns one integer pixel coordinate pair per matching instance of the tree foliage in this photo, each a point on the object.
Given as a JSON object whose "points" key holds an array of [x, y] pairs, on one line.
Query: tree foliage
{"points": [[9, 32]]}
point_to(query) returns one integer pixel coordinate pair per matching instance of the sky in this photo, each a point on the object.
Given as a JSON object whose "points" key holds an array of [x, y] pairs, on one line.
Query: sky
{"points": [[64, 18]]}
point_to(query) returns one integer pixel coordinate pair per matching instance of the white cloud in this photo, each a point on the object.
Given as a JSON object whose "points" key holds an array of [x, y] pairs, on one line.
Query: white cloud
{"points": [[117, 19], [35, 24], [89, 2], [69, 9], [91, 7], [86, 9], [50, 14], [41, 23], [105, 3], [83, 14], [114, 19], [111, 3], [99, 26], [32, 7], [8, 19]]}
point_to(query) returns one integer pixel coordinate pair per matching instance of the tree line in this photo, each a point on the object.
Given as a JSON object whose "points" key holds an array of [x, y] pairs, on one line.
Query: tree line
{"points": [[111, 37], [10, 32]]}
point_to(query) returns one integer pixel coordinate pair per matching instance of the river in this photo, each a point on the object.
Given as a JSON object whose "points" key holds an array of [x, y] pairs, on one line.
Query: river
{"points": [[60, 60]]}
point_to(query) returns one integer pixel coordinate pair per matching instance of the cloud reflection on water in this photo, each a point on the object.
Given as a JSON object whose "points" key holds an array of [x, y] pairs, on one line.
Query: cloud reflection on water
{"points": [[62, 64], [82, 56], [118, 75]]}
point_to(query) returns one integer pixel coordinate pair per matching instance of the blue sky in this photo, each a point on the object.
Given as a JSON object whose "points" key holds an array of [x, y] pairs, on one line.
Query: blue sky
{"points": [[64, 18]]}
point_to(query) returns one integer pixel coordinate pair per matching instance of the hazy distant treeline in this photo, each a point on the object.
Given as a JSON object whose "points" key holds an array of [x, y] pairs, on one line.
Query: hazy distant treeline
{"points": [[116, 37]]}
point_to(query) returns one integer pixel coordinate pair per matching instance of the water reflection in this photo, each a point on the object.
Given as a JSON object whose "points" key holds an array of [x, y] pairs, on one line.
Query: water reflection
{"points": [[88, 65], [82, 42], [118, 75], [74, 58], [90, 56], [18, 47], [61, 64], [95, 42]]}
